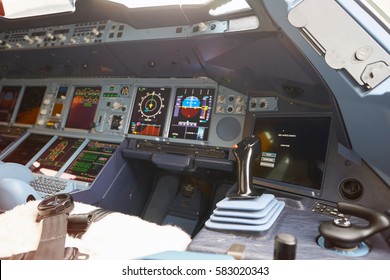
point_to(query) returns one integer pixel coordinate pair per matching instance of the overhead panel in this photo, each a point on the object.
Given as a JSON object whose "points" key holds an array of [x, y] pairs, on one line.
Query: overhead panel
{"points": [[55, 51]]}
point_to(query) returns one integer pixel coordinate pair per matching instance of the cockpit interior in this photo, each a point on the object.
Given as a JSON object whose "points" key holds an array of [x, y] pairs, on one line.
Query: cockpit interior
{"points": [[266, 126]]}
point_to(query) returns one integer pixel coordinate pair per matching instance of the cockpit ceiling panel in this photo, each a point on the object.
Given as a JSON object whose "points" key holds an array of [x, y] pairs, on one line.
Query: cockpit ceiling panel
{"points": [[160, 58], [9, 68], [252, 61], [81, 61]]}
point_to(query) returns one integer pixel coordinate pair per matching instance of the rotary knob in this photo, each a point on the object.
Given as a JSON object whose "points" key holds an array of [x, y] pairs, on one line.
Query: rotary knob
{"points": [[285, 247]]}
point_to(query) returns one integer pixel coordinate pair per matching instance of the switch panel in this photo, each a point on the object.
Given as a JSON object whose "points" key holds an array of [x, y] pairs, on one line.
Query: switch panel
{"points": [[263, 104]]}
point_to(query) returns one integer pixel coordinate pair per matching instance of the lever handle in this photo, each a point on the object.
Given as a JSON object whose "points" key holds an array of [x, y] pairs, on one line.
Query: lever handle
{"points": [[245, 152], [341, 233]]}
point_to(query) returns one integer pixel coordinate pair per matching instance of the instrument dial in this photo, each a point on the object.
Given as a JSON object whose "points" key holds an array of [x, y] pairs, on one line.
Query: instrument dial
{"points": [[150, 110], [151, 105]]}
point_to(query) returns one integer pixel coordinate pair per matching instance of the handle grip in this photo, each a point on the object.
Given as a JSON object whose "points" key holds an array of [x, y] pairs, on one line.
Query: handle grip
{"points": [[343, 234], [246, 152]]}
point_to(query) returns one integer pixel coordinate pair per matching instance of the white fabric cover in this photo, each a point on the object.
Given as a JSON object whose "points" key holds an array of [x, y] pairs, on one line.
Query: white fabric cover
{"points": [[116, 236]]}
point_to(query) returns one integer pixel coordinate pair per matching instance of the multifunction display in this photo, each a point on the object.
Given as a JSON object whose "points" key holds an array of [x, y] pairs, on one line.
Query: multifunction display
{"points": [[83, 108], [54, 158], [8, 97], [26, 150], [90, 161], [191, 114], [30, 105], [293, 149], [150, 111]]}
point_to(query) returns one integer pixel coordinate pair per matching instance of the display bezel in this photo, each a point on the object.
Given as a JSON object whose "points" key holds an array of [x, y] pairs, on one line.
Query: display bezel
{"points": [[172, 118], [24, 140], [15, 103], [78, 175], [21, 101], [137, 102], [288, 186], [51, 147], [69, 114]]}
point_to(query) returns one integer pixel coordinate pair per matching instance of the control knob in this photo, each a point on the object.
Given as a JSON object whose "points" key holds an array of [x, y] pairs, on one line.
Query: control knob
{"points": [[220, 109], [41, 122], [285, 247], [38, 39], [61, 37], [239, 100], [221, 99], [86, 39], [95, 32], [28, 39], [43, 111], [116, 105], [50, 36], [239, 109]]}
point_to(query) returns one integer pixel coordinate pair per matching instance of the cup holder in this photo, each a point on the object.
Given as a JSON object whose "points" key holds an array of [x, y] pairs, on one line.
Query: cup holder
{"points": [[351, 189]]}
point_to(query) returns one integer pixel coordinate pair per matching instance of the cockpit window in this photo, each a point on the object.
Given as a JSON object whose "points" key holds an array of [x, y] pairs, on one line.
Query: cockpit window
{"points": [[380, 9], [230, 7], [14, 9], [225, 7], [157, 3]]}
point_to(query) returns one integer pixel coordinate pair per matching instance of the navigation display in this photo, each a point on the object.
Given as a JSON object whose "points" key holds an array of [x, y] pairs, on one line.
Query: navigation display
{"points": [[192, 113], [83, 108], [293, 149], [150, 111], [26, 150], [8, 97], [90, 161], [56, 156], [30, 105]]}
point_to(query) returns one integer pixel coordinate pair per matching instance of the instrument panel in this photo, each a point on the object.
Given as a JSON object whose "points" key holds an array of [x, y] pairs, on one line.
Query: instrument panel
{"points": [[150, 111], [175, 123], [178, 110], [69, 129]]}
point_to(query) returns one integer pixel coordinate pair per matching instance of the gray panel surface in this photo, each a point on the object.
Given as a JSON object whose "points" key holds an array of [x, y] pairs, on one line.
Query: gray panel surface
{"points": [[296, 219]]}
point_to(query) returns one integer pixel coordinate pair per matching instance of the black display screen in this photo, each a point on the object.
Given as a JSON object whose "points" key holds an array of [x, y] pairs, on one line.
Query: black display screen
{"points": [[83, 108], [26, 150], [62, 91], [30, 105], [293, 150], [150, 111], [56, 156], [90, 161], [8, 97], [6, 140], [191, 114]]}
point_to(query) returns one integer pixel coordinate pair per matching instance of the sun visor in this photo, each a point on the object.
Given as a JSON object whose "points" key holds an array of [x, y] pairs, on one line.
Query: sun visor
{"points": [[350, 47], [14, 9]]}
